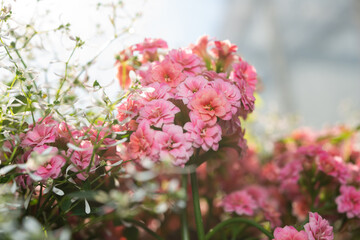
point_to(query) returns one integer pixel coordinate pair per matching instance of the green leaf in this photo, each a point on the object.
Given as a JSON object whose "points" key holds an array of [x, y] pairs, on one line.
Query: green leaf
{"points": [[65, 203]]}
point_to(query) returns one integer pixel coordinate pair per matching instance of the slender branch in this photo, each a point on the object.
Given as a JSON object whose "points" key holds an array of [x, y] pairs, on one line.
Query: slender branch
{"points": [[227, 222], [196, 203]]}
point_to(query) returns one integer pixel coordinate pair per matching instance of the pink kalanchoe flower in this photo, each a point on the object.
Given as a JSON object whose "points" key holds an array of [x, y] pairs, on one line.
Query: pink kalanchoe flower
{"points": [[39, 135], [230, 127], [68, 133], [240, 202], [191, 63], [167, 72], [158, 112], [289, 177], [230, 91], [200, 48], [333, 166], [300, 208], [150, 45], [246, 87], [161, 91], [174, 144], [52, 168], [82, 159], [289, 233], [142, 143], [223, 48], [129, 109], [202, 135], [24, 181], [245, 71], [318, 228], [208, 104], [212, 76], [187, 89], [349, 201]]}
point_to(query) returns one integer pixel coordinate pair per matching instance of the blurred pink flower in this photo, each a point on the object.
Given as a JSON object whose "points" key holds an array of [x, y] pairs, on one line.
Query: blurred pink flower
{"points": [[150, 45], [83, 158], [243, 71], [24, 181], [223, 49], [158, 112], [200, 48], [230, 127], [289, 177], [187, 89], [289, 233], [52, 168], [202, 135], [129, 109], [39, 135], [167, 72], [161, 91], [208, 104], [318, 228], [230, 91], [142, 143], [349, 201], [239, 202], [174, 144], [191, 63], [333, 166], [300, 208], [245, 81]]}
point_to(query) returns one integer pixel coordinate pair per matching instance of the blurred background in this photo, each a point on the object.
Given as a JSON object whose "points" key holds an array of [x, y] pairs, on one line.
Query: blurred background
{"points": [[307, 53]]}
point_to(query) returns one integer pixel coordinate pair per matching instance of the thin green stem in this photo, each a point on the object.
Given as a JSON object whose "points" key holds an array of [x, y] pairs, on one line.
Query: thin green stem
{"points": [[227, 222], [184, 223], [196, 203]]}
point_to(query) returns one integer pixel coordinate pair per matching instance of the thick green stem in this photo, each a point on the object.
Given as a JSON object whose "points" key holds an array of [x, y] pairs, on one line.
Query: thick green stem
{"points": [[196, 203], [184, 223], [227, 222]]}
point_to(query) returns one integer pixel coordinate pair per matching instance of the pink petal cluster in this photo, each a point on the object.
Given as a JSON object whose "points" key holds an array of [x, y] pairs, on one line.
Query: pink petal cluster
{"points": [[191, 63], [174, 144], [52, 168], [318, 228], [142, 143], [349, 201], [158, 112], [202, 135], [150, 45], [240, 202], [223, 48], [161, 91], [167, 72], [187, 89], [82, 159], [39, 135], [208, 104], [231, 93], [333, 166], [289, 177], [246, 81], [195, 84], [289, 233]]}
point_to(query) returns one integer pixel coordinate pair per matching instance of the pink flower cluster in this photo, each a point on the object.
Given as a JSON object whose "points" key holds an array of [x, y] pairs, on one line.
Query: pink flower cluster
{"points": [[54, 141], [316, 229], [349, 201], [199, 94]]}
